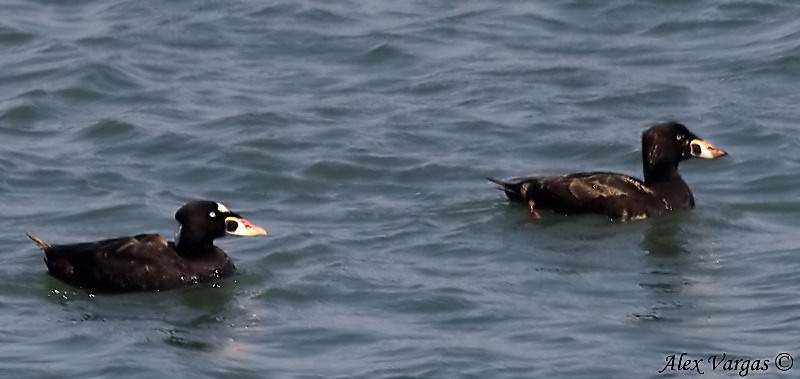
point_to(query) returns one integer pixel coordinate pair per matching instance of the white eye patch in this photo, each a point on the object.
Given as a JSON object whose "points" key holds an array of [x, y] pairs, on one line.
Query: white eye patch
{"points": [[222, 208], [212, 214]]}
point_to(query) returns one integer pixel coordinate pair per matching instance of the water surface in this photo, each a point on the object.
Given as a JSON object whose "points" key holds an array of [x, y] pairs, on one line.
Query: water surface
{"points": [[359, 134]]}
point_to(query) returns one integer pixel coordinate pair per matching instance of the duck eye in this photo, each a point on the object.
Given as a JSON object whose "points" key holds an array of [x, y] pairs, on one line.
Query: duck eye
{"points": [[679, 137], [212, 214]]}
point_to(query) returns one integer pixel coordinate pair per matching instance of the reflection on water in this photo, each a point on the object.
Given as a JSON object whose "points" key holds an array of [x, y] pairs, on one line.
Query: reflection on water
{"points": [[665, 236]]}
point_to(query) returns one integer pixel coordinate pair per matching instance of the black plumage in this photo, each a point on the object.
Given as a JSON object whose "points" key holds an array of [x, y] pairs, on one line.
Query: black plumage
{"points": [[148, 261], [619, 196]]}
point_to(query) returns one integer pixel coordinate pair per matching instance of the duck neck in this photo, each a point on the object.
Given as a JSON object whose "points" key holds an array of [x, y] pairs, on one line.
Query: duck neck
{"points": [[668, 185], [661, 173], [187, 244]]}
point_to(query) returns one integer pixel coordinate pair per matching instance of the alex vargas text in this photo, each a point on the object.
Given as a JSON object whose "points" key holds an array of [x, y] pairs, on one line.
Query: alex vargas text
{"points": [[716, 362]]}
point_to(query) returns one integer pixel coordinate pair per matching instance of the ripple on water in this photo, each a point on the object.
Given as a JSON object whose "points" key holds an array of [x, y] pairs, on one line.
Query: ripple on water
{"points": [[385, 53], [105, 131], [22, 114], [10, 36]]}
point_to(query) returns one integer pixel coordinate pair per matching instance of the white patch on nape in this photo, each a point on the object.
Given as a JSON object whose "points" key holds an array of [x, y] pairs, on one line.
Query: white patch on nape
{"points": [[178, 234], [222, 208]]}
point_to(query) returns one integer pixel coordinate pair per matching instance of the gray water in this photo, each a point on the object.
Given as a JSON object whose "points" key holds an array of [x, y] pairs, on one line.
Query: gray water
{"points": [[358, 134]]}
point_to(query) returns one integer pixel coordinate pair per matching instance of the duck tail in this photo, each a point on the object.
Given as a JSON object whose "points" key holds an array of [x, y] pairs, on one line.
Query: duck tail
{"points": [[512, 190], [39, 241], [501, 185]]}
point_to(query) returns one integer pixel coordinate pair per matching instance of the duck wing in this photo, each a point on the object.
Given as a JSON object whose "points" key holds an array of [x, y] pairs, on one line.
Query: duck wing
{"points": [[618, 196], [114, 265]]}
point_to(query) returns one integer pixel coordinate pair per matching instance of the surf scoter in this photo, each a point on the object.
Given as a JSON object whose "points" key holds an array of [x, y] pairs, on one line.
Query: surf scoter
{"points": [[618, 196], [148, 262]]}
